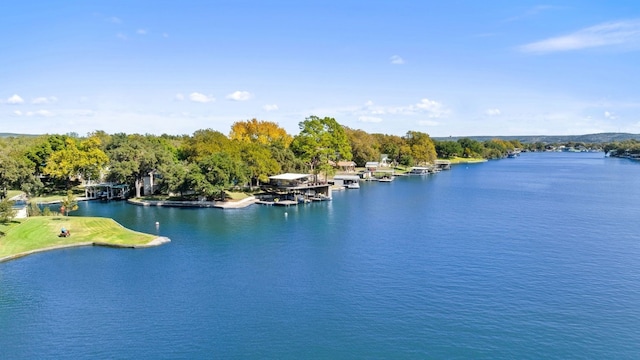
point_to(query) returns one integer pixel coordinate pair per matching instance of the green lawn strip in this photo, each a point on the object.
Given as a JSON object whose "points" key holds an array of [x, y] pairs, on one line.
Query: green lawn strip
{"points": [[12, 193], [235, 196], [461, 160], [42, 232]]}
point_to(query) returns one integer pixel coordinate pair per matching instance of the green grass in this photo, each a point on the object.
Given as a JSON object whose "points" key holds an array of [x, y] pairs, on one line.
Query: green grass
{"points": [[12, 193], [461, 160], [235, 196], [42, 232]]}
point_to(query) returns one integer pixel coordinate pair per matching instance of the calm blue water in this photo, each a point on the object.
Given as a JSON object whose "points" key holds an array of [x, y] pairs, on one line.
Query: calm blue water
{"points": [[533, 257]]}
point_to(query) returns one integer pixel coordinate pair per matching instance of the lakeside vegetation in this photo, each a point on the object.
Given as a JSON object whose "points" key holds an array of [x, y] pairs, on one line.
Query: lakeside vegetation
{"points": [[211, 165], [37, 233]]}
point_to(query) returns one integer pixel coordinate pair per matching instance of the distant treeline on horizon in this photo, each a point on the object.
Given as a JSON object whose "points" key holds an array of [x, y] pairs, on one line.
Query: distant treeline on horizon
{"points": [[597, 138]]}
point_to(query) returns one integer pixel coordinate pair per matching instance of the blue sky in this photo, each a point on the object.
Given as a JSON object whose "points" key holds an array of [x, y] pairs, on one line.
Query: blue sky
{"points": [[447, 68]]}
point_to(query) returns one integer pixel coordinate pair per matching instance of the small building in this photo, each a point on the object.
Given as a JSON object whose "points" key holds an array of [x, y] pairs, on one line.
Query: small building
{"points": [[346, 166], [372, 166], [384, 160]]}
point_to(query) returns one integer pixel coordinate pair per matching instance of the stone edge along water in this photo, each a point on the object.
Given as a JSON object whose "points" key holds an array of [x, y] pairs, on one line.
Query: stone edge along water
{"points": [[160, 240]]}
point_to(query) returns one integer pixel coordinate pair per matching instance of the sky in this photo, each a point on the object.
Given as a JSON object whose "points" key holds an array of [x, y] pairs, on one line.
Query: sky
{"points": [[446, 68]]}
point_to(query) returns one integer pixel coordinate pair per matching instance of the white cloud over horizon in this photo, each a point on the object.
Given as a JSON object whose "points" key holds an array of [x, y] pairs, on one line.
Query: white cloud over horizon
{"points": [[270, 107], [239, 96], [15, 100], [201, 98], [45, 100], [620, 33], [396, 60], [493, 112]]}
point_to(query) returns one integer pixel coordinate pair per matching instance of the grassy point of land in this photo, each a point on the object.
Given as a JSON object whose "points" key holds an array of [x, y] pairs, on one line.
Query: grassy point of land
{"points": [[41, 233], [462, 160]]}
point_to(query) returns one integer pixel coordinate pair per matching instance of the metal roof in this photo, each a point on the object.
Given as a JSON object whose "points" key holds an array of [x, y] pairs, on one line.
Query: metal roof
{"points": [[289, 176]]}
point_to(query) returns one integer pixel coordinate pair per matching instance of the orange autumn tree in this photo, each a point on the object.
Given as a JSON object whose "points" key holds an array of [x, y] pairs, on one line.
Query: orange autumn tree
{"points": [[260, 132]]}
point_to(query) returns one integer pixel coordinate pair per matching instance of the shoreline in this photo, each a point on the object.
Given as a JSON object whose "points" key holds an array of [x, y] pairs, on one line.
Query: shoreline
{"points": [[196, 204], [160, 240]]}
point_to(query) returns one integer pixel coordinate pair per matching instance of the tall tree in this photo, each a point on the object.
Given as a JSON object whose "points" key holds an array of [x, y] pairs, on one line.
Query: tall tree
{"points": [[422, 147], [133, 157], [204, 143], [260, 132], [319, 141], [259, 162], [364, 146]]}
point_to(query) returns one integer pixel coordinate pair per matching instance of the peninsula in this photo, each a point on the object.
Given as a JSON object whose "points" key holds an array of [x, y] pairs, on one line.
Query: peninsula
{"points": [[37, 234]]}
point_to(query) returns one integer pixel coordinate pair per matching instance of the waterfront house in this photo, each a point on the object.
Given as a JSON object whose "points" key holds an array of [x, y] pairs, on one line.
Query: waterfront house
{"points": [[346, 166], [372, 166]]}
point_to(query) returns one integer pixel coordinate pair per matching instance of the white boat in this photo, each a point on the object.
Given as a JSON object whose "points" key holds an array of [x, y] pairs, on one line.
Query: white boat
{"points": [[386, 178]]}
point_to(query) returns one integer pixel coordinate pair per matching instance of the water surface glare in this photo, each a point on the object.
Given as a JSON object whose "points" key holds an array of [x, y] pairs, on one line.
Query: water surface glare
{"points": [[528, 258]]}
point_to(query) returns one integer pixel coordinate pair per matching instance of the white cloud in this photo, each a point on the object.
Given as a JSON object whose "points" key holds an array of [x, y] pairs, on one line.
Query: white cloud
{"points": [[239, 96], [368, 103], [121, 36], [179, 97], [17, 113], [270, 107], [493, 112], [42, 113], [165, 35], [201, 98], [115, 20], [433, 108], [610, 115], [44, 100], [15, 99], [621, 33], [142, 32], [369, 119], [397, 60]]}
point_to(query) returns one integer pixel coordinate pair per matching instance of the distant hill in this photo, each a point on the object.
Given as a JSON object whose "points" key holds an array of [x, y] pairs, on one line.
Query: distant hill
{"points": [[3, 135], [553, 139]]}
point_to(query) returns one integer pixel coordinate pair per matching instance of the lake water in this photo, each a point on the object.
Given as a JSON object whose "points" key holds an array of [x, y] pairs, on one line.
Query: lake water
{"points": [[526, 258]]}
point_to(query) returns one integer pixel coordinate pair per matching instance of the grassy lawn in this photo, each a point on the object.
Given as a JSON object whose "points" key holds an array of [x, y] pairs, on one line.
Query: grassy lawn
{"points": [[42, 232], [12, 193], [461, 160], [235, 196]]}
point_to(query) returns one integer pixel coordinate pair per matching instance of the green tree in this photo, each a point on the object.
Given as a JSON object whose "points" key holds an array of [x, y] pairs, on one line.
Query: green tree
{"points": [[422, 148], [221, 171], [69, 203], [471, 148], [319, 141], [259, 162], [132, 157], [364, 146], [447, 149], [6, 211]]}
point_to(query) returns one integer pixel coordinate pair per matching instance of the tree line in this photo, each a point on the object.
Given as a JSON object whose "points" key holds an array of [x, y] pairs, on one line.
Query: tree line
{"points": [[208, 162]]}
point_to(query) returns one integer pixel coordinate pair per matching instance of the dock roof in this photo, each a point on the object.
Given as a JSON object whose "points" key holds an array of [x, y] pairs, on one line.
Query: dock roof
{"points": [[289, 176]]}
